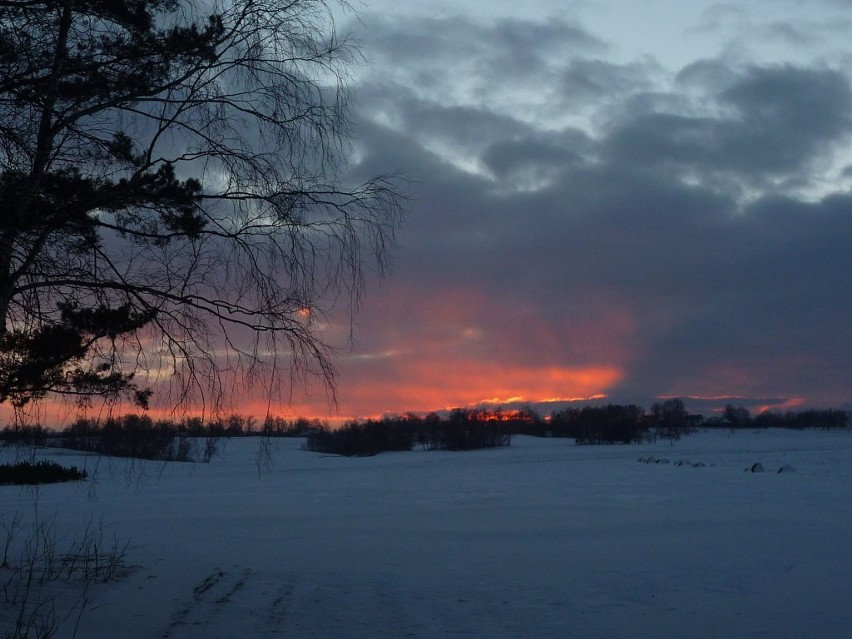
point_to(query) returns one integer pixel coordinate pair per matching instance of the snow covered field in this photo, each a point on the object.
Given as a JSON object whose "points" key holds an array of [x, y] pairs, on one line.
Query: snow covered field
{"points": [[541, 539]]}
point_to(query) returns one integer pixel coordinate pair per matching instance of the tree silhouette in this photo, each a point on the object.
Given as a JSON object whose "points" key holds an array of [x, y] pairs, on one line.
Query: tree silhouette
{"points": [[737, 415], [670, 418], [171, 199]]}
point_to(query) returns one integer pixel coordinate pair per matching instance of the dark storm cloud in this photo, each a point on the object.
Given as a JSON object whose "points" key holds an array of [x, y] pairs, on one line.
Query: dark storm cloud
{"points": [[464, 129], [789, 113], [536, 157], [771, 306], [665, 237]]}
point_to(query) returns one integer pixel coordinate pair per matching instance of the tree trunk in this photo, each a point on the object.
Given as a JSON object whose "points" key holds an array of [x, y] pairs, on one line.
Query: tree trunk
{"points": [[6, 243], [18, 212]]}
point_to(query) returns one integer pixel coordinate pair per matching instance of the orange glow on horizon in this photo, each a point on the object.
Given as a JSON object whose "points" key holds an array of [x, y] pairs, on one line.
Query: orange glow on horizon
{"points": [[424, 387], [789, 404], [706, 398], [429, 350]]}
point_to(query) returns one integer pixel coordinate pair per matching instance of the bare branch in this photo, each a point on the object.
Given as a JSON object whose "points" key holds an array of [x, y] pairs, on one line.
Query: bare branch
{"points": [[172, 195]]}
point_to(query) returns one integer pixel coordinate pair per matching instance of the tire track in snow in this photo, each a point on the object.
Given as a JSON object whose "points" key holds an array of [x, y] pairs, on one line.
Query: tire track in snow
{"points": [[210, 599]]}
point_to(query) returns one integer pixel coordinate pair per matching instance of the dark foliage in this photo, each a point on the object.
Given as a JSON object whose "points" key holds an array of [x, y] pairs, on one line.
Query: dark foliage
{"points": [[825, 419], [25, 435], [191, 439], [362, 438], [300, 427], [128, 436], [611, 424], [462, 430], [737, 416], [466, 430], [42, 472], [669, 419]]}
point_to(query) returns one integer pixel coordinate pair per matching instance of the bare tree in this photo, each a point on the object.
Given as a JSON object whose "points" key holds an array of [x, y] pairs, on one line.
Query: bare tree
{"points": [[172, 199], [670, 418]]}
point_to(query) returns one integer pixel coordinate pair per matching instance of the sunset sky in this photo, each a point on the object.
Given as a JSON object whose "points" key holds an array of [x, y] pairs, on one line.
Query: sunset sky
{"points": [[612, 201], [621, 200]]}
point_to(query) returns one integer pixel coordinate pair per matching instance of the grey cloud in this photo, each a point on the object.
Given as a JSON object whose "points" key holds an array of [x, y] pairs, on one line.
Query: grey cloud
{"points": [[794, 34], [536, 155], [815, 100], [708, 77], [666, 138], [720, 15], [778, 120], [557, 34], [772, 301], [644, 217], [507, 65], [513, 152], [626, 211], [524, 45], [789, 116], [464, 129], [799, 34], [586, 79]]}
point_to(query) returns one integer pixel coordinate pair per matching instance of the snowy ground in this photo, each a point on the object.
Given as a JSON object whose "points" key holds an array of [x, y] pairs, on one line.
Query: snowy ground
{"points": [[542, 539]]}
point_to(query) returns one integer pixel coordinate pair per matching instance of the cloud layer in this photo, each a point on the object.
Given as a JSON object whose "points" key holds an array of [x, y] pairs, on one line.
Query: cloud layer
{"points": [[582, 227]]}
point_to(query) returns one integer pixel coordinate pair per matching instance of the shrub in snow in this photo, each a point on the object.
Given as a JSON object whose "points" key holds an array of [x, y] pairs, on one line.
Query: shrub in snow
{"points": [[756, 467], [43, 472], [650, 459], [40, 567]]}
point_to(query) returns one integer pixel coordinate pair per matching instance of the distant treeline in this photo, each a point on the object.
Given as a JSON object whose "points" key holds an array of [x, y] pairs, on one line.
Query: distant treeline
{"points": [[461, 430], [611, 424], [194, 439], [465, 429], [740, 417], [140, 436], [669, 419]]}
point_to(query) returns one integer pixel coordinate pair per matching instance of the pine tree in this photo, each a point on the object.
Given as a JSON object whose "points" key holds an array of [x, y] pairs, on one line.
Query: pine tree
{"points": [[171, 200]]}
